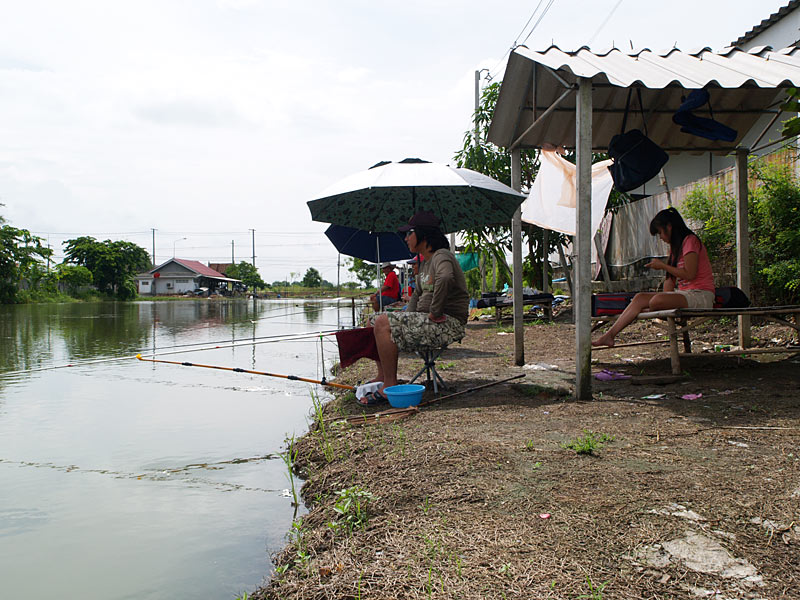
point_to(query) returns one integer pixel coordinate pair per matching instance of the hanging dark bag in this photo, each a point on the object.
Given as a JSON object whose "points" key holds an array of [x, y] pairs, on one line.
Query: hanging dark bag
{"points": [[637, 158]]}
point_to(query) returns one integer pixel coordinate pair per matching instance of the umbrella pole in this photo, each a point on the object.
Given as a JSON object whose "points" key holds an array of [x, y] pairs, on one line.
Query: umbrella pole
{"points": [[378, 270]]}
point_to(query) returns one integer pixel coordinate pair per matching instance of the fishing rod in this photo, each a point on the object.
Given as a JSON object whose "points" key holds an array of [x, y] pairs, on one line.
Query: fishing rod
{"points": [[322, 381]]}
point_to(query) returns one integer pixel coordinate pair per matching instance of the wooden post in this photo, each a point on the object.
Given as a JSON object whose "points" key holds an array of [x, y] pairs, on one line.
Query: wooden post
{"points": [[601, 257], [582, 301], [674, 357], [742, 241], [545, 261], [567, 272], [516, 247]]}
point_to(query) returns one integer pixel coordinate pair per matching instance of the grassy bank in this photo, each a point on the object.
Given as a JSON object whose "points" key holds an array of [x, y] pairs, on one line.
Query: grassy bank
{"points": [[518, 491]]}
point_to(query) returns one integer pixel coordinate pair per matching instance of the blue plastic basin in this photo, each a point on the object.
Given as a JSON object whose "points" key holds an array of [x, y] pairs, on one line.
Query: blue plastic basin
{"points": [[403, 396]]}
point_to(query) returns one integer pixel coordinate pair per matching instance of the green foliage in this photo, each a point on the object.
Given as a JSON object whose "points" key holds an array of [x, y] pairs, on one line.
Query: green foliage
{"points": [[113, 264], [73, 276], [595, 591], [494, 242], [365, 272], [775, 225], [312, 278], [774, 219], [289, 457], [351, 508], [715, 208], [588, 443], [21, 255], [248, 275], [320, 429]]}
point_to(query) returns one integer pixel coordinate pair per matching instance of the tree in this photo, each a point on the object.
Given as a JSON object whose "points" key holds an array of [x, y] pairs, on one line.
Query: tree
{"points": [[312, 278], [112, 264], [248, 275], [21, 255], [486, 158], [73, 276], [364, 271]]}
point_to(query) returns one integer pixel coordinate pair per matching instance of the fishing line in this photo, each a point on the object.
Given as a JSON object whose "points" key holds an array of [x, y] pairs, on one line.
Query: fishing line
{"points": [[167, 475], [227, 344]]}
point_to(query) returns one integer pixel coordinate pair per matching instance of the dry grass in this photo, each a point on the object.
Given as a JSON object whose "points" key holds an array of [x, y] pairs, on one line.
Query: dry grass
{"points": [[478, 498]]}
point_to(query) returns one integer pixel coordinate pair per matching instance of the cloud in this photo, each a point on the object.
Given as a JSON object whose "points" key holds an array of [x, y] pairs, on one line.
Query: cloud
{"points": [[13, 63], [193, 113]]}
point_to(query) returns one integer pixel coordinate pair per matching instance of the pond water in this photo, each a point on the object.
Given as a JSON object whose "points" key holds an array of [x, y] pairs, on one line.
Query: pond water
{"points": [[127, 479]]}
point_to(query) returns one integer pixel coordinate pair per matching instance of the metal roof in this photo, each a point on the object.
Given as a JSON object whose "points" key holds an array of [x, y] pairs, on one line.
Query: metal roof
{"points": [[766, 23], [744, 86], [197, 267]]}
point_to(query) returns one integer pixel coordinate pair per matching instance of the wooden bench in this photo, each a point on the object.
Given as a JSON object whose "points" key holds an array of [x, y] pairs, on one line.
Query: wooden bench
{"points": [[679, 321]]}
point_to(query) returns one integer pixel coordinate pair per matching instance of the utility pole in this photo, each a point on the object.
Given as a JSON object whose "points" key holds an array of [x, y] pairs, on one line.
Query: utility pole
{"points": [[154, 246], [254, 246], [233, 260], [475, 143], [338, 264]]}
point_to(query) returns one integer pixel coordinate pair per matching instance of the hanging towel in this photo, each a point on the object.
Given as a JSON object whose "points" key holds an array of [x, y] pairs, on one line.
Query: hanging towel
{"points": [[355, 344], [551, 203]]}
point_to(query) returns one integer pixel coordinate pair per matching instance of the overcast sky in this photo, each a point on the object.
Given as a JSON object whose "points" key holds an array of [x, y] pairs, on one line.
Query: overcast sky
{"points": [[204, 119]]}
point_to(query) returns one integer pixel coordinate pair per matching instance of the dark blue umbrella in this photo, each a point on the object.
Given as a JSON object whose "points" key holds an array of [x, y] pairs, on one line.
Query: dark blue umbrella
{"points": [[371, 247]]}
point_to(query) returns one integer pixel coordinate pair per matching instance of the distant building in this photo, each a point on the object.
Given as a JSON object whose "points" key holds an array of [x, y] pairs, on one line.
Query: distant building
{"points": [[180, 276]]}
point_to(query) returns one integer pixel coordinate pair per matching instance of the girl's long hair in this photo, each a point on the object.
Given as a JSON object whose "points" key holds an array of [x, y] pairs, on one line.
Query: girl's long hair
{"points": [[670, 216]]}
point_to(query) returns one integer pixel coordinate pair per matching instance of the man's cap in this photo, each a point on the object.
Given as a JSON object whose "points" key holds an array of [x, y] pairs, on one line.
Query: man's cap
{"points": [[424, 218], [387, 264]]}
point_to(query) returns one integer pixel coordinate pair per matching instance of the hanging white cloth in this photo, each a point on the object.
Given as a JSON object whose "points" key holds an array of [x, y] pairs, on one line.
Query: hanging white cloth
{"points": [[551, 203]]}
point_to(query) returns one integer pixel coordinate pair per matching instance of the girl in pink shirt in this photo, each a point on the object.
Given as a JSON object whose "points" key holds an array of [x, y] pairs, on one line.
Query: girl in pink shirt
{"points": [[689, 282]]}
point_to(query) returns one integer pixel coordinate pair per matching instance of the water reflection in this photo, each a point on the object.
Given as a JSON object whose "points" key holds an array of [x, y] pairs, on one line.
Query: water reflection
{"points": [[117, 467]]}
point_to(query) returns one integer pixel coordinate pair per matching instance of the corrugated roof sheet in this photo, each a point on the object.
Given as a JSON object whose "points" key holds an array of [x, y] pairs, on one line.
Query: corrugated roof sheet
{"points": [[744, 86], [766, 23]]}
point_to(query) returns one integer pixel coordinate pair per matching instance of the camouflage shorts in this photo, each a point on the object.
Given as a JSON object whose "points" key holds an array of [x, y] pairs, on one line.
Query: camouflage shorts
{"points": [[414, 330]]}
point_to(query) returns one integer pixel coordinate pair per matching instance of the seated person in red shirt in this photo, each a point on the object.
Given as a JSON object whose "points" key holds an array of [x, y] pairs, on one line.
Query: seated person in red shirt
{"points": [[390, 290], [689, 282]]}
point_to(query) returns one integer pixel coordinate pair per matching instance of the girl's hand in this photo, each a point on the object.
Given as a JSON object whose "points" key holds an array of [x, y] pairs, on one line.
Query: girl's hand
{"points": [[657, 263]]}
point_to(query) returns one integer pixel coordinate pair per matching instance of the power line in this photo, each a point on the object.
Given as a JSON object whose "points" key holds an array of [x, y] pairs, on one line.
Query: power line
{"points": [[605, 21], [539, 20], [492, 71]]}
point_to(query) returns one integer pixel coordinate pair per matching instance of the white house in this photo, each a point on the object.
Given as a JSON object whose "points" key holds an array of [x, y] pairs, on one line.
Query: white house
{"points": [[179, 276]]}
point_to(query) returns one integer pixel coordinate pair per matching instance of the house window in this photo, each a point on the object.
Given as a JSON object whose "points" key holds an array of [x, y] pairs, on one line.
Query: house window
{"points": [[145, 283], [181, 281]]}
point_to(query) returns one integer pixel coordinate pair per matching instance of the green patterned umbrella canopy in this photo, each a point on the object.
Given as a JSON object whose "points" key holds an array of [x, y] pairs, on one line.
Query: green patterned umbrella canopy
{"points": [[384, 197]]}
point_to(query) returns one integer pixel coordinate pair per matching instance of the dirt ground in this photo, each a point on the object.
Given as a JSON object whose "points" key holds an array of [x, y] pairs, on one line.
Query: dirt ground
{"points": [[478, 497]]}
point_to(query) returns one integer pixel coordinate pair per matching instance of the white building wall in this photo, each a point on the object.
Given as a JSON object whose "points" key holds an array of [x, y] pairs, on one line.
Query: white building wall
{"points": [[781, 34]]}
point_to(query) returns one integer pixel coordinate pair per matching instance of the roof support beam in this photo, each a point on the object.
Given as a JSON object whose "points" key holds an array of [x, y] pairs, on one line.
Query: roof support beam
{"points": [[582, 301], [543, 116], [666, 111]]}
